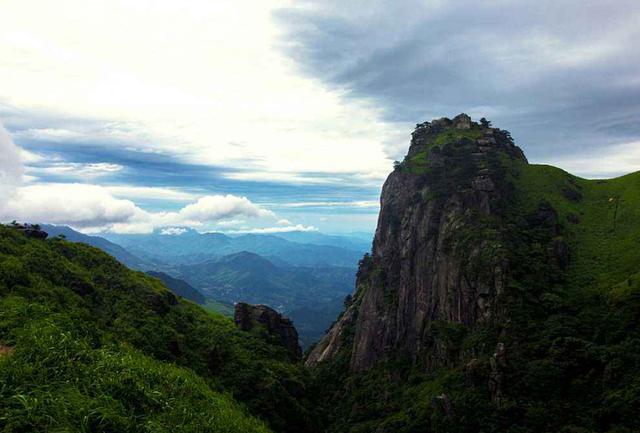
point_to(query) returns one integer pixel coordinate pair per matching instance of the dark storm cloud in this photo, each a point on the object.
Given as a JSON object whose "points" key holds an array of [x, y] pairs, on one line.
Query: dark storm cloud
{"points": [[562, 76]]}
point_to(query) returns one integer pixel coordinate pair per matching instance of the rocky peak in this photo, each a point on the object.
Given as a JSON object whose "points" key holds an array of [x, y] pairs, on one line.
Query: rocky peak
{"points": [[438, 258], [247, 316]]}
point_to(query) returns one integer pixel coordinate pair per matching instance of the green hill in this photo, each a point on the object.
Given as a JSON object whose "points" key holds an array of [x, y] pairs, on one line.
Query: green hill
{"points": [[600, 219], [88, 345]]}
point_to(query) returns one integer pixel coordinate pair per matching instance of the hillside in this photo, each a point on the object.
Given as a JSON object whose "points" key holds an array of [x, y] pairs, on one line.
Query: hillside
{"points": [[89, 345], [179, 287], [499, 296]]}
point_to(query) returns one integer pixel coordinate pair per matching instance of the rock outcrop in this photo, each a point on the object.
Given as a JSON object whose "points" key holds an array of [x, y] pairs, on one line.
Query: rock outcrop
{"points": [[31, 231], [247, 316], [438, 256]]}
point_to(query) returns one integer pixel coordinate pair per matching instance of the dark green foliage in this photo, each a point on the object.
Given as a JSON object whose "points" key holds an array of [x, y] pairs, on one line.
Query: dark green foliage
{"points": [[110, 321], [569, 316], [450, 142]]}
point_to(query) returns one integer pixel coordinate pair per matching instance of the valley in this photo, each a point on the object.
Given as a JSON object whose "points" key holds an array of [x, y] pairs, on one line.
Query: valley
{"points": [[303, 275]]}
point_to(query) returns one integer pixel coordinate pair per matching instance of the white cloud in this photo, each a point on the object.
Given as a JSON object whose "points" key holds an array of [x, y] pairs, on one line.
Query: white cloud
{"points": [[147, 192], [49, 134], [213, 84], [77, 170], [93, 208], [78, 205], [265, 230], [333, 204], [11, 169], [259, 175], [173, 231], [218, 207], [231, 223], [30, 157], [603, 162], [284, 222]]}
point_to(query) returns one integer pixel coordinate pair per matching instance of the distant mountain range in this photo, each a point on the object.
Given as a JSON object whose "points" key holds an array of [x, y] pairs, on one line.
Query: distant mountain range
{"points": [[311, 296], [249, 277], [305, 275], [295, 248]]}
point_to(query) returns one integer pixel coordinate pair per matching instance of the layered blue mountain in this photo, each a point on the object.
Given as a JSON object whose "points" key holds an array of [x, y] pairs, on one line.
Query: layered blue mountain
{"points": [[303, 275], [311, 296], [300, 249]]}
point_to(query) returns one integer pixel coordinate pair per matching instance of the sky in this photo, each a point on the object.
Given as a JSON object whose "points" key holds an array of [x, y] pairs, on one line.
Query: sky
{"points": [[268, 116]]}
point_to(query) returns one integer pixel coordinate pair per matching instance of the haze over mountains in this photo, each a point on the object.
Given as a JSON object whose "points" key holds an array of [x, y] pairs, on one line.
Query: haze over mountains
{"points": [[190, 246], [305, 275]]}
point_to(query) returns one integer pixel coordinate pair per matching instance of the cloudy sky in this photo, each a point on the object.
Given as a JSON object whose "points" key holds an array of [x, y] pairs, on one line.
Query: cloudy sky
{"points": [[275, 115]]}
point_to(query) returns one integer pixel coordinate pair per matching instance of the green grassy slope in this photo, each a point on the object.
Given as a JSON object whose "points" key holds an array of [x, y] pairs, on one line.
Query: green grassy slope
{"points": [[601, 219], [226, 309], [89, 345]]}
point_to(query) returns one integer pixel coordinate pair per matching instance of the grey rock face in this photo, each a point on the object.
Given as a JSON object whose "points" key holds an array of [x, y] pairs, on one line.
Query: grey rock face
{"points": [[436, 254], [246, 316]]}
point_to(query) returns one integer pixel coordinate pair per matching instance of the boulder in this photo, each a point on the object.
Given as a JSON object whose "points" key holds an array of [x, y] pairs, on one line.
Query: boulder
{"points": [[247, 316]]}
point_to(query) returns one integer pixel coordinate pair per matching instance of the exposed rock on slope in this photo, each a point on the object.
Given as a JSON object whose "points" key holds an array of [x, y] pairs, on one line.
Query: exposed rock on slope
{"points": [[437, 253], [246, 316], [31, 231]]}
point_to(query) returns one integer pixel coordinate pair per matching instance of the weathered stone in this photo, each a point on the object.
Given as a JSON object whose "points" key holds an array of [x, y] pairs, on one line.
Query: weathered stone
{"points": [[483, 183], [498, 363], [462, 121], [419, 271], [247, 316]]}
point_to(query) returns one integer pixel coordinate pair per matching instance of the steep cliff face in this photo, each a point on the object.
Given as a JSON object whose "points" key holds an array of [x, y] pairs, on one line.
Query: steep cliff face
{"points": [[438, 254]]}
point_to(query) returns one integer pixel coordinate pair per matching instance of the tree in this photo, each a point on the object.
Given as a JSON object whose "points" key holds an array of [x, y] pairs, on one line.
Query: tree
{"points": [[347, 301], [485, 123]]}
